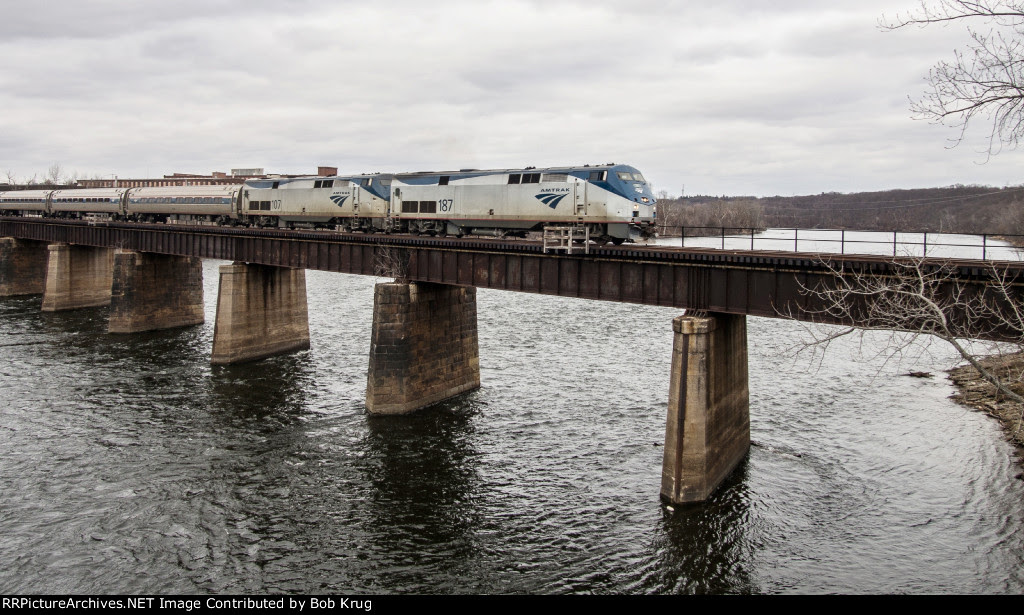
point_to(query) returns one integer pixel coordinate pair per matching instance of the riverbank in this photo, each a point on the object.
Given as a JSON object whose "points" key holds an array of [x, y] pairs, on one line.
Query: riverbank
{"points": [[973, 391]]}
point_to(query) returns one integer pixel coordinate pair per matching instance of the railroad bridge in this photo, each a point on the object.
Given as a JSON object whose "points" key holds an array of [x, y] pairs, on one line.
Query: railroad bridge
{"points": [[424, 338]]}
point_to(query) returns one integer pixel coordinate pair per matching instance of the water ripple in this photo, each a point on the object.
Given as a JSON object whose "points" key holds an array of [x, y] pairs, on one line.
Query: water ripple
{"points": [[132, 465]]}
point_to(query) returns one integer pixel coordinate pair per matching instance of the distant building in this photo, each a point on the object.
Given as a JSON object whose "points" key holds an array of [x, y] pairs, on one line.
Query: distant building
{"points": [[215, 178], [175, 179]]}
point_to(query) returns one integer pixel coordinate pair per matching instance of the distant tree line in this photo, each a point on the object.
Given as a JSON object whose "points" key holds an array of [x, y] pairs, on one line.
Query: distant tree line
{"points": [[701, 215], [953, 209], [55, 177]]}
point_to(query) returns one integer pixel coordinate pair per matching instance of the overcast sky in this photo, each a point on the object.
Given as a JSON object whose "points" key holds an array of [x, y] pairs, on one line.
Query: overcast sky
{"points": [[733, 97]]}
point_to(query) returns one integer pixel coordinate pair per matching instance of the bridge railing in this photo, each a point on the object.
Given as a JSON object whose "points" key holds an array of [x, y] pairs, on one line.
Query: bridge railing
{"points": [[985, 246]]}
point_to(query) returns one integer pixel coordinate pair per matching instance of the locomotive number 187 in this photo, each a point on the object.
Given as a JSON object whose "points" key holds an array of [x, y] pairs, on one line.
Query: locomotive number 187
{"points": [[445, 204]]}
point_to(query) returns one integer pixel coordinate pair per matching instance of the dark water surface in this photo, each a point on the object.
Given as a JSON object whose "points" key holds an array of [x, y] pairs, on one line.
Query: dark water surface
{"points": [[129, 464]]}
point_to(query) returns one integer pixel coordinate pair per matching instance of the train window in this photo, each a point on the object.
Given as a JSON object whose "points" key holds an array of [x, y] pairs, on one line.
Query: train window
{"points": [[323, 183], [626, 177], [264, 205], [254, 205], [513, 178], [638, 177], [275, 185], [531, 178], [443, 181], [365, 181], [598, 176], [428, 207], [409, 207]]}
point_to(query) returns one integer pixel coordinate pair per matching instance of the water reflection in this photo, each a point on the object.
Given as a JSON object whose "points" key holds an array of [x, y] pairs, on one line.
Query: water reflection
{"points": [[705, 548], [425, 491], [273, 389]]}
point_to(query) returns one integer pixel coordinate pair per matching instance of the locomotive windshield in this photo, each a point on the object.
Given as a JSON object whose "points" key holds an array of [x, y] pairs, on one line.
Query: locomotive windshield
{"points": [[629, 177]]}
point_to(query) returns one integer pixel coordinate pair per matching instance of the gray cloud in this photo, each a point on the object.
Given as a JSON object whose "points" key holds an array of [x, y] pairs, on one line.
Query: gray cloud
{"points": [[735, 97]]}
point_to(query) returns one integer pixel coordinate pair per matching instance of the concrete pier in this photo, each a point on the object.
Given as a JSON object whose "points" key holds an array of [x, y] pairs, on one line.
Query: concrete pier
{"points": [[707, 433], [77, 277], [22, 267], [423, 348], [261, 312], [155, 291]]}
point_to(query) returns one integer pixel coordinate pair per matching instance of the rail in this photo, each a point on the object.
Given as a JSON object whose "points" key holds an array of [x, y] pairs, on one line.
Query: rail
{"points": [[984, 246]]}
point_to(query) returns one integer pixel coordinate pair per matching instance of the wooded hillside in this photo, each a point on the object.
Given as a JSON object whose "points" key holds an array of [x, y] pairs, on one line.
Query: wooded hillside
{"points": [[964, 209]]}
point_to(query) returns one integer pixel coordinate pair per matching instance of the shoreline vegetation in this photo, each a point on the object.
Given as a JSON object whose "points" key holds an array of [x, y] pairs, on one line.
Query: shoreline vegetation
{"points": [[976, 393]]}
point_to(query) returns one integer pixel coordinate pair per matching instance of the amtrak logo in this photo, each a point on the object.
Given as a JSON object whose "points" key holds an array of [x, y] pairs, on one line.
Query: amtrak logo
{"points": [[551, 200], [339, 199]]}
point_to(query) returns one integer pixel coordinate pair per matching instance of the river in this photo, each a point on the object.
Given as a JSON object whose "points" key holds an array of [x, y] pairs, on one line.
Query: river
{"points": [[131, 465]]}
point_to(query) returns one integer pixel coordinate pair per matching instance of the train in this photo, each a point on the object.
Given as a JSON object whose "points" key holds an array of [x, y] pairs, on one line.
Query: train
{"points": [[614, 202]]}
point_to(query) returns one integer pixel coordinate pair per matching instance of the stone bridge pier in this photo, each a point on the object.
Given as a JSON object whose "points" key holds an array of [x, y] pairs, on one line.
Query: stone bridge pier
{"points": [[707, 433], [261, 312], [423, 348], [155, 291], [77, 277], [22, 267]]}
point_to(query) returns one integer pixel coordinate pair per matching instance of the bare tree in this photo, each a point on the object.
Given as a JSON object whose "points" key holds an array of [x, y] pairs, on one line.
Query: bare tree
{"points": [[54, 174], [391, 262], [985, 80], [916, 298]]}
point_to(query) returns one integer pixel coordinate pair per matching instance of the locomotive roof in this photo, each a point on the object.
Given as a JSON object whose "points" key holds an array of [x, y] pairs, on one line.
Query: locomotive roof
{"points": [[478, 172]]}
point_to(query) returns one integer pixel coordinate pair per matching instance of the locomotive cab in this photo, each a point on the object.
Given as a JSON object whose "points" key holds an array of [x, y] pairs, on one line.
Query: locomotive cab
{"points": [[633, 204]]}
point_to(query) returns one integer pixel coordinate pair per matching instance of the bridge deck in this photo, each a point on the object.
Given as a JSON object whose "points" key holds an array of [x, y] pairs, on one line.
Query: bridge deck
{"points": [[761, 283]]}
